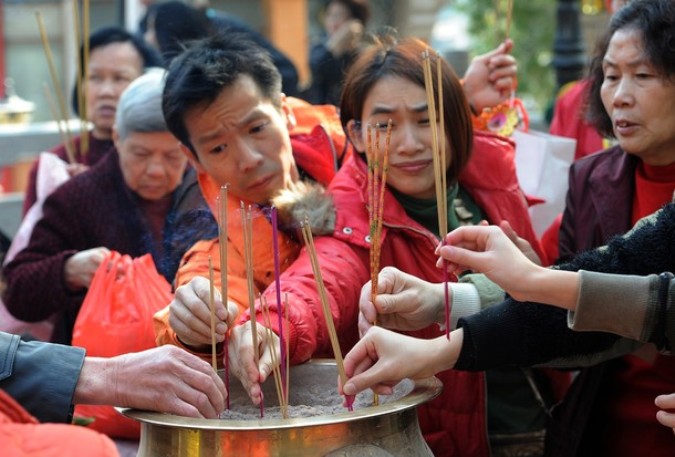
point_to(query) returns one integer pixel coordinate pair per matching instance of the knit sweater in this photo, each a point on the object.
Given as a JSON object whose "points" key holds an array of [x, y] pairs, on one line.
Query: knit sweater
{"points": [[93, 209]]}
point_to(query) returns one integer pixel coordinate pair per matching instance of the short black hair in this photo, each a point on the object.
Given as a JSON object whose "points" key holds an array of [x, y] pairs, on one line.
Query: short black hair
{"points": [[654, 21], [109, 35], [200, 73]]}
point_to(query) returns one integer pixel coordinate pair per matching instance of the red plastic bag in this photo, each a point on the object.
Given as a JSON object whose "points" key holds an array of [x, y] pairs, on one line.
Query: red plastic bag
{"points": [[116, 318]]}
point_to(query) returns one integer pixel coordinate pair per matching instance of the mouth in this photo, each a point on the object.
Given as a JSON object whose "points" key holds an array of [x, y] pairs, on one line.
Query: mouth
{"points": [[624, 127], [106, 110], [261, 182], [414, 166]]}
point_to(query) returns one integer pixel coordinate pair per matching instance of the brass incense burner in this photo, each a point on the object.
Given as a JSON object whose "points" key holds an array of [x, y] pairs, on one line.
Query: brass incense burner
{"points": [[389, 429]]}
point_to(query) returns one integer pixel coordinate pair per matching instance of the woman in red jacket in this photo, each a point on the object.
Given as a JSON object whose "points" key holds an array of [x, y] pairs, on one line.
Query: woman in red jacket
{"points": [[385, 83]]}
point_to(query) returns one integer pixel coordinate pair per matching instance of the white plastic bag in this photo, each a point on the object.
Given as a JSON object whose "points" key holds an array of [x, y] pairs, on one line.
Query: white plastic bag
{"points": [[542, 166]]}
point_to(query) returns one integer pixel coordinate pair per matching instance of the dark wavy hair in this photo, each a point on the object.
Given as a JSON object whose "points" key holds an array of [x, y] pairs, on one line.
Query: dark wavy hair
{"points": [[388, 56], [654, 21], [109, 35]]}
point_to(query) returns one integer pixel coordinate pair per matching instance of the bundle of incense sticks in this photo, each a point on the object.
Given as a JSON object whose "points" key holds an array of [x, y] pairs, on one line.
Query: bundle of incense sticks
{"points": [[277, 282], [62, 115], [440, 163], [279, 382], [377, 180], [248, 260], [222, 245], [311, 251]]}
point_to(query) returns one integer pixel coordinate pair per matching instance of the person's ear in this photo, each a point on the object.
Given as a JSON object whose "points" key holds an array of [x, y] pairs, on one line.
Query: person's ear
{"points": [[288, 114], [355, 134], [192, 158]]}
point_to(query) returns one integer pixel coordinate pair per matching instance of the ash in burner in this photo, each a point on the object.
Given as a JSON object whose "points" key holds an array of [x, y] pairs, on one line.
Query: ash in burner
{"points": [[315, 399]]}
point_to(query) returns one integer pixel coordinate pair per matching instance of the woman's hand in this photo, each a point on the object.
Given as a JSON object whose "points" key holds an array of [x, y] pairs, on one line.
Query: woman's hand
{"points": [[488, 250], [80, 268], [404, 302], [382, 358], [666, 403]]}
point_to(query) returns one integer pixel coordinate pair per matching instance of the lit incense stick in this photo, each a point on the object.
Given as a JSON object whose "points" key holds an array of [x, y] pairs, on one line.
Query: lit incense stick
{"points": [[222, 245]]}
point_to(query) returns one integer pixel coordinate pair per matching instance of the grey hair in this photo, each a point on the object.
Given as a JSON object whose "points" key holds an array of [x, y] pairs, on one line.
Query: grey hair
{"points": [[140, 107]]}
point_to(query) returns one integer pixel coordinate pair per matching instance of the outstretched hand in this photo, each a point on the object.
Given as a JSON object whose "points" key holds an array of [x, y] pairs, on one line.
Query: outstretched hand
{"points": [[382, 358], [488, 250], [404, 302]]}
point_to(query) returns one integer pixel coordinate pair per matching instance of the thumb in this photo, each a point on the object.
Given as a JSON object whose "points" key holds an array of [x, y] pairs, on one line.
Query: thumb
{"points": [[461, 256]]}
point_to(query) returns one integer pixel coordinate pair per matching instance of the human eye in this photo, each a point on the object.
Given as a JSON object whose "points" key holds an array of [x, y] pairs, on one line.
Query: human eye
{"points": [[94, 77], [219, 149], [258, 127]]}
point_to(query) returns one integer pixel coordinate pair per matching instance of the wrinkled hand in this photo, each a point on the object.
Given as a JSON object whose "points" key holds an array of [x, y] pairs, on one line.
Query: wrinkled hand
{"points": [[166, 379], [404, 302], [80, 268], [345, 38], [242, 357], [382, 358], [190, 314], [666, 403], [487, 250], [491, 77]]}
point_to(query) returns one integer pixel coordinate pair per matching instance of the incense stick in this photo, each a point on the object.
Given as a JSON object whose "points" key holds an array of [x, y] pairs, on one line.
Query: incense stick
{"points": [[509, 17], [57, 86], [79, 91], [85, 67], [276, 370], [288, 349], [248, 257], [439, 159], [330, 325], [55, 114], [277, 282], [212, 306], [222, 245]]}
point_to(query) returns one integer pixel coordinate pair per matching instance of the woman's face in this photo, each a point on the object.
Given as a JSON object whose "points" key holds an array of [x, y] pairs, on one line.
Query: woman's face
{"points": [[638, 100], [336, 15], [110, 70], [152, 163], [411, 168]]}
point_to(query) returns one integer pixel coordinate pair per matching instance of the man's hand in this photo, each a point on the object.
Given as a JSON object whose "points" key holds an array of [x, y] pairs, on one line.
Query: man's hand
{"points": [[165, 379], [190, 314]]}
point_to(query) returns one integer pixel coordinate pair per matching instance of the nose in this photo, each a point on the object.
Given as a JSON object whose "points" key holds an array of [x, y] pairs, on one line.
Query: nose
{"points": [[107, 88], [406, 139], [249, 157], [623, 95], [155, 167]]}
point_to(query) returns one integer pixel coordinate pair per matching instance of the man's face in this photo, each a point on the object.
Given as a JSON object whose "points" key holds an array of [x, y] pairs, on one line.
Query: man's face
{"points": [[241, 139]]}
